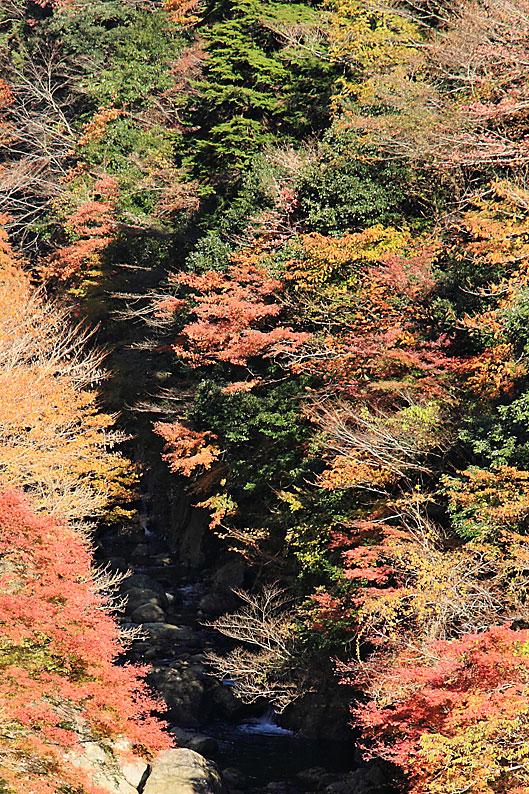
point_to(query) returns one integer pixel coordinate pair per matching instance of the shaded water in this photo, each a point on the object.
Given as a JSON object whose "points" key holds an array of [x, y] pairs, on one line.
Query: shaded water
{"points": [[261, 752]]}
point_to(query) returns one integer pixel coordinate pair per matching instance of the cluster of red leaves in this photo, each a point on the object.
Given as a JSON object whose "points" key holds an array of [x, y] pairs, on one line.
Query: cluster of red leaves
{"points": [[235, 316], [92, 226], [455, 717], [58, 647], [186, 449]]}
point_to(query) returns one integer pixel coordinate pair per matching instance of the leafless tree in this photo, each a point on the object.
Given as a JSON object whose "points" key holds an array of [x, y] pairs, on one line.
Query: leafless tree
{"points": [[265, 623]]}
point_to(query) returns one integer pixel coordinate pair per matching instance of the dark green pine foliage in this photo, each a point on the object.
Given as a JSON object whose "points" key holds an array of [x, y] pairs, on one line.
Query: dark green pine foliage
{"points": [[256, 86]]}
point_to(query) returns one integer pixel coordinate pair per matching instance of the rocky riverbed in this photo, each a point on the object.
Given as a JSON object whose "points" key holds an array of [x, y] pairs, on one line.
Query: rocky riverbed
{"points": [[224, 746]]}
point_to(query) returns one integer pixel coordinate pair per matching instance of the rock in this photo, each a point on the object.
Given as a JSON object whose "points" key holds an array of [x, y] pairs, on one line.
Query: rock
{"points": [[191, 537], [102, 770], [183, 771], [372, 778], [317, 777], [233, 777], [205, 745], [118, 564], [214, 604], [167, 632], [227, 704], [230, 575], [141, 550], [183, 689], [134, 769], [142, 582], [148, 613], [134, 772], [321, 715], [162, 560], [138, 597]]}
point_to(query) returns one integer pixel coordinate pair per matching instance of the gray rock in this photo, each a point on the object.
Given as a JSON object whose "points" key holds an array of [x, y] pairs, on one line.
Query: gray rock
{"points": [[214, 604], [142, 550], [233, 777], [230, 575], [183, 771], [138, 597], [143, 582], [103, 770], [167, 632], [317, 777], [148, 613], [205, 745], [184, 691], [118, 564], [227, 704]]}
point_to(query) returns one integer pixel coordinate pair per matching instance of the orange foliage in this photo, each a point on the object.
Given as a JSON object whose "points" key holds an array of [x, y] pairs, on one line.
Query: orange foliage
{"points": [[232, 312], [95, 129], [187, 449], [59, 683], [182, 12], [54, 442], [92, 227], [483, 502]]}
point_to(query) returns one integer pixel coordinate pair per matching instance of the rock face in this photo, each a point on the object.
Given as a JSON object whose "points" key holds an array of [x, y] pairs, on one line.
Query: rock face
{"points": [[183, 772], [183, 689], [115, 778]]}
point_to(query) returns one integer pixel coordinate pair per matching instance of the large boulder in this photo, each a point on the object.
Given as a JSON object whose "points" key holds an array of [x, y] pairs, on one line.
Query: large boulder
{"points": [[168, 633], [207, 746], [230, 575], [183, 689], [108, 772], [182, 771], [148, 613], [228, 705], [139, 596]]}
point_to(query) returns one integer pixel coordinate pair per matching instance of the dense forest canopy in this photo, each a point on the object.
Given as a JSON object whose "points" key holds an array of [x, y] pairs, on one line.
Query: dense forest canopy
{"points": [[302, 230]]}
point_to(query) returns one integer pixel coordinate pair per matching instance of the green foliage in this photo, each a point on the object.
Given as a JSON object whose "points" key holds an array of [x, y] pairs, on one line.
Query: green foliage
{"points": [[253, 88], [259, 433], [500, 436], [346, 186]]}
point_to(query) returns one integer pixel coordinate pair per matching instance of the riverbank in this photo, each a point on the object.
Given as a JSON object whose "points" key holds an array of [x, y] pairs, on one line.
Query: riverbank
{"points": [[163, 599]]}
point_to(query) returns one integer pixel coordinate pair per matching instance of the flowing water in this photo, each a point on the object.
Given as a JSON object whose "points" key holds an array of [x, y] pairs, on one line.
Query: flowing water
{"points": [[261, 755]]}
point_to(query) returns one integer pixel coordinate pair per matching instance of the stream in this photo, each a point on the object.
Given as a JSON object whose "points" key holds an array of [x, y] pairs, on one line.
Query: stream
{"points": [[253, 752]]}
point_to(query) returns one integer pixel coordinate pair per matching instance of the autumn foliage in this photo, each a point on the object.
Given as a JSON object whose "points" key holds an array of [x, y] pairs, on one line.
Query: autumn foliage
{"points": [[59, 645], [455, 717], [58, 648], [321, 212], [54, 442]]}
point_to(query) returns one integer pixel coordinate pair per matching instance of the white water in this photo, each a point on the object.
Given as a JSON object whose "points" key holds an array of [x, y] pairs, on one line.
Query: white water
{"points": [[143, 523], [265, 725]]}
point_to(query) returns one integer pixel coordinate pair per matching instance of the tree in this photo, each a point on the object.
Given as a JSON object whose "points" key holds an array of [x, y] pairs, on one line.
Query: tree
{"points": [[60, 684], [54, 442], [454, 714]]}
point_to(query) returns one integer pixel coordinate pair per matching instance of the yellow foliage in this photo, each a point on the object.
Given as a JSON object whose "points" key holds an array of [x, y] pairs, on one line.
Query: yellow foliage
{"points": [[378, 47], [323, 259], [55, 444]]}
